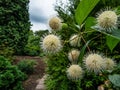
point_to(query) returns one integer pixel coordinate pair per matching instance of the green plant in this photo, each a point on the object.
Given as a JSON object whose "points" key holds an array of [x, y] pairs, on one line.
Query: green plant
{"points": [[6, 51], [94, 35], [32, 48], [10, 76], [27, 66]]}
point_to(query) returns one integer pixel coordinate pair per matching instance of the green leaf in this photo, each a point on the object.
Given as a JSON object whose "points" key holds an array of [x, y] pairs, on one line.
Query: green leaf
{"points": [[115, 79], [83, 51], [114, 33], [112, 39], [90, 21], [83, 10], [111, 42]]}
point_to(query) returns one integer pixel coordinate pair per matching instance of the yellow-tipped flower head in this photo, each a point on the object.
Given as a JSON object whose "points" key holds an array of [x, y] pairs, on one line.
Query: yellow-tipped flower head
{"points": [[94, 63], [73, 55], [75, 40], [55, 23], [109, 63], [107, 20], [51, 43], [74, 72]]}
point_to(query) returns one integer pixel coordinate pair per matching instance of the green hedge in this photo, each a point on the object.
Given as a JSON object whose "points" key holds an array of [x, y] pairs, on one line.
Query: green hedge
{"points": [[14, 24]]}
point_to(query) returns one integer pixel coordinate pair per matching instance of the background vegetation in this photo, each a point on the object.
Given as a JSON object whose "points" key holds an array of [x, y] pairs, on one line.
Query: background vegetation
{"points": [[14, 25]]}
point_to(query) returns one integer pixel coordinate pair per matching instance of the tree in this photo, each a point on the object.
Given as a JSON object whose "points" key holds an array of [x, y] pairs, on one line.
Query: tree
{"points": [[14, 24]]}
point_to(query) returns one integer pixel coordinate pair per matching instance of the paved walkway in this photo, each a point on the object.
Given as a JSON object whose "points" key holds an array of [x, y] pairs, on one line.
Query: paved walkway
{"points": [[40, 85]]}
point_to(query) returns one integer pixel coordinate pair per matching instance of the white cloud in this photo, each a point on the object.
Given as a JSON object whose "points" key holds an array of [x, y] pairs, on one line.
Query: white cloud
{"points": [[40, 11], [38, 26]]}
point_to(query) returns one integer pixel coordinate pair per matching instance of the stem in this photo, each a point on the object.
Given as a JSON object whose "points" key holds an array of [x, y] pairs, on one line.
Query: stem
{"points": [[85, 43]]}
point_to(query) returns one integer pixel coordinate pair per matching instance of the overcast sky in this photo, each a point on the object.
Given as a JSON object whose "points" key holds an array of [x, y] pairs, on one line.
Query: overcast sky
{"points": [[40, 11]]}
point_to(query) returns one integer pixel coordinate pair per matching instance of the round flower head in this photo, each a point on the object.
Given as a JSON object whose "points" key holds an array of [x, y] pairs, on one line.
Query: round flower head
{"points": [[109, 63], [51, 43], [107, 20], [107, 83], [73, 55], [74, 40], [101, 87], [55, 23], [74, 72], [94, 63]]}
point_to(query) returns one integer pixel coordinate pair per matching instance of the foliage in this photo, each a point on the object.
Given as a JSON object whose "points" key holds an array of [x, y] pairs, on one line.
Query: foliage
{"points": [[32, 48], [40, 33], [10, 76], [92, 40], [57, 78], [115, 79], [6, 52], [84, 11], [14, 24], [27, 66]]}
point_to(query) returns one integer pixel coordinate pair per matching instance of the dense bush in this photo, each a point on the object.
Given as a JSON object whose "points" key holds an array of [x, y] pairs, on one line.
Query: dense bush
{"points": [[7, 52], [32, 48], [14, 24], [27, 66], [11, 77]]}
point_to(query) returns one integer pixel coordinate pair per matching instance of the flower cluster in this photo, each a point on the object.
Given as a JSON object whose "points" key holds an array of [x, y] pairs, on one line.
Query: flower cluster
{"points": [[110, 64], [94, 63], [75, 40], [107, 20], [51, 43], [55, 23], [73, 55], [74, 72]]}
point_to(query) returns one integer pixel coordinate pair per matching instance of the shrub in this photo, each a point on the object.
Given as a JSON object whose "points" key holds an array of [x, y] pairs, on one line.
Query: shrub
{"points": [[10, 76], [6, 52], [32, 48], [95, 68], [14, 24], [27, 66]]}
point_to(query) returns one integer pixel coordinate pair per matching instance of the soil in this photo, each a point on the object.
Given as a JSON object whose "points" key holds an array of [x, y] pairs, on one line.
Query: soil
{"points": [[39, 71]]}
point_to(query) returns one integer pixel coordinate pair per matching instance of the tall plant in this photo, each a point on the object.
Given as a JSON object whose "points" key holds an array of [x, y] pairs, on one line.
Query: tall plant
{"points": [[80, 53]]}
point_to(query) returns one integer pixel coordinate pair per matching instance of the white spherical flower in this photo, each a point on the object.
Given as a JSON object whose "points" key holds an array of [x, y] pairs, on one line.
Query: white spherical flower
{"points": [[73, 55], [109, 63], [94, 63], [101, 87], [75, 40], [107, 20], [51, 43], [74, 72], [55, 23]]}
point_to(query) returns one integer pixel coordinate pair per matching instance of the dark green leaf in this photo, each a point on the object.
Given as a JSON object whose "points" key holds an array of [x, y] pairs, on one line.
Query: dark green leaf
{"points": [[114, 33], [83, 10], [111, 42], [83, 51], [90, 21]]}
